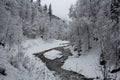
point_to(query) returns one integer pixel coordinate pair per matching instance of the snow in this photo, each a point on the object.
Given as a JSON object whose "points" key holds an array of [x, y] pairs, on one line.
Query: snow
{"points": [[53, 54], [36, 69], [86, 64], [39, 45]]}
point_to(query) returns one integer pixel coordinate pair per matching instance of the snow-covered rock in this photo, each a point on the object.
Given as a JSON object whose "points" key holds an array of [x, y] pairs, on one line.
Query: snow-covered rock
{"points": [[53, 54]]}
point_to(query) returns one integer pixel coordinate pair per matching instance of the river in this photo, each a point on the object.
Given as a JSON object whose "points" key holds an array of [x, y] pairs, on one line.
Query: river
{"points": [[55, 65]]}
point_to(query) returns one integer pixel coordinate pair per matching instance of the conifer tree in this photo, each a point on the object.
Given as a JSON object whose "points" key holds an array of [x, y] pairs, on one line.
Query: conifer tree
{"points": [[50, 11]]}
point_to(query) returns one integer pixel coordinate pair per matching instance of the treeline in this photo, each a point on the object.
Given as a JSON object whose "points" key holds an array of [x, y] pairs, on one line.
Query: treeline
{"points": [[95, 24], [26, 18]]}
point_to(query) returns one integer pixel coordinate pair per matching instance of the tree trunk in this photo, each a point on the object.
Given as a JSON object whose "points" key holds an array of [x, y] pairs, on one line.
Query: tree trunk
{"points": [[89, 47]]}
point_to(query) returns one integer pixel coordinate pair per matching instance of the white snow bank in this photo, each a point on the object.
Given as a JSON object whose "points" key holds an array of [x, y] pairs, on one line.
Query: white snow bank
{"points": [[38, 45], [53, 54], [36, 69], [85, 64]]}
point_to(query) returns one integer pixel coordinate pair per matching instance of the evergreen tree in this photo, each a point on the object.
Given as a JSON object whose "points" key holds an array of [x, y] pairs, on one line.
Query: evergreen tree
{"points": [[115, 14], [45, 8], [31, 1], [50, 11], [39, 2]]}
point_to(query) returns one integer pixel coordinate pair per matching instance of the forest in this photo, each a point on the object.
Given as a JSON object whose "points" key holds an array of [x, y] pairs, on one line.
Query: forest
{"points": [[36, 44]]}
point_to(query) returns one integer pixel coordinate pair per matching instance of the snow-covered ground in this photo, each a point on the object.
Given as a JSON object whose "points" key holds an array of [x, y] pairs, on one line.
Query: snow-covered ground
{"points": [[39, 45], [86, 64], [53, 54], [36, 69]]}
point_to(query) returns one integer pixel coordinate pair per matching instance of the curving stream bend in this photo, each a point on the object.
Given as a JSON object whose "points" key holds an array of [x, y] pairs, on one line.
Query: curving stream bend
{"points": [[55, 65]]}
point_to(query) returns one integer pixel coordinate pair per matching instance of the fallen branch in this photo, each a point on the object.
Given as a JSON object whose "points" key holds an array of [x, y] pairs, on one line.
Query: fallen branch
{"points": [[115, 70]]}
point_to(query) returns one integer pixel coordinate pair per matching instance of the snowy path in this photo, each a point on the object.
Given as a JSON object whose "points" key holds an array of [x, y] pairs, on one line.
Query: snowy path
{"points": [[55, 65]]}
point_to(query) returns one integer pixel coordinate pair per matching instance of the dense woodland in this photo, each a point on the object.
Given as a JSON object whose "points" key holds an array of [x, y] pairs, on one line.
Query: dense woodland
{"points": [[24, 18], [94, 24]]}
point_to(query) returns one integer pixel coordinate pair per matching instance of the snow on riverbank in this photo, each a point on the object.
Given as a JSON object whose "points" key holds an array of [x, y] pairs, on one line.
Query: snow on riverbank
{"points": [[38, 45], [35, 69], [53, 54], [86, 64]]}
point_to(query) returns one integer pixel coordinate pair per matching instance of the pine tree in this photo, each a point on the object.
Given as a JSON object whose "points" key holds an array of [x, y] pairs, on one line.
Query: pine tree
{"points": [[39, 2], [31, 1], [50, 11], [45, 8], [115, 14]]}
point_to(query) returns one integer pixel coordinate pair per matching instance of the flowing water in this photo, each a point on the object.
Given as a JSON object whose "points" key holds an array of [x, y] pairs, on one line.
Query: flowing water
{"points": [[55, 65]]}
